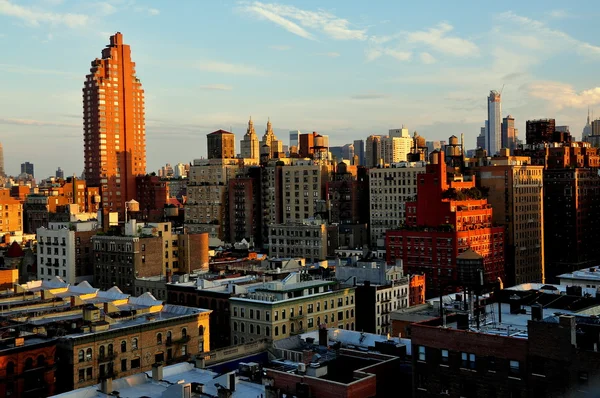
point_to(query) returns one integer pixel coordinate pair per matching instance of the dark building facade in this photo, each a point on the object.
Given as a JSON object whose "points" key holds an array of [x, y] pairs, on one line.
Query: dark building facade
{"points": [[153, 193], [221, 145], [245, 219]]}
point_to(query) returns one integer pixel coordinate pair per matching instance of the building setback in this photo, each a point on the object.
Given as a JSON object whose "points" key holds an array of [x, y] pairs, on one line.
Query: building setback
{"points": [[114, 125]]}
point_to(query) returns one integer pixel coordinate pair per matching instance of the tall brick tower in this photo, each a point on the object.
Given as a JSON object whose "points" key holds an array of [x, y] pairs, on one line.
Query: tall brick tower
{"points": [[114, 128]]}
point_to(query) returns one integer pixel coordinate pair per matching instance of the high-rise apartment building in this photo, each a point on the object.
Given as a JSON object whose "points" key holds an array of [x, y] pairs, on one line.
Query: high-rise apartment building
{"points": [[249, 146], [27, 168], [397, 145], [302, 191], [114, 125], [516, 195], [389, 190], [271, 141], [359, 150], [220, 145], [509, 133], [373, 151], [306, 144], [448, 217], [494, 122]]}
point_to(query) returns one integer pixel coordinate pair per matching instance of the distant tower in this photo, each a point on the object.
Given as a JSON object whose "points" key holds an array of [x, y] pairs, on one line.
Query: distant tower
{"points": [[249, 146], [60, 173], [494, 130], [220, 145], [587, 130], [2, 174], [269, 139], [509, 133], [27, 168]]}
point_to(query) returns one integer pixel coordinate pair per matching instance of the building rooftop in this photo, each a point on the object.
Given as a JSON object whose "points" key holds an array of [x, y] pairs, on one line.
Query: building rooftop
{"points": [[220, 131], [590, 273], [142, 385]]}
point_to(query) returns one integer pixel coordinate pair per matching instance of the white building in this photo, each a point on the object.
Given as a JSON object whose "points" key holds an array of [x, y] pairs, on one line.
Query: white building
{"points": [[587, 278], [389, 190], [57, 250], [180, 170], [397, 146]]}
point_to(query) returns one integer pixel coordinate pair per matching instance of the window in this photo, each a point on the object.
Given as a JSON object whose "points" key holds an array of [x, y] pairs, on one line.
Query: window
{"points": [[235, 327], [88, 373], [134, 344], [340, 315], [183, 333], [81, 356], [135, 363], [159, 338], [123, 346], [81, 375], [88, 354], [251, 313], [276, 330], [242, 327], [514, 367], [276, 315], [257, 329], [235, 311], [310, 322], [123, 365], [101, 351], [467, 360], [243, 312], [10, 367], [444, 358], [283, 329], [283, 314], [267, 331], [421, 353], [268, 316], [169, 337], [184, 350], [258, 315]]}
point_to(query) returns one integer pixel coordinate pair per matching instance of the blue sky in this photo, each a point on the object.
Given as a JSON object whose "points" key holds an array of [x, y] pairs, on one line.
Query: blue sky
{"points": [[343, 68]]}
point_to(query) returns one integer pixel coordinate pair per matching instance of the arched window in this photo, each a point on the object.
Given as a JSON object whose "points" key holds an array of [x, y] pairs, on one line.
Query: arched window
{"points": [[257, 329], [300, 325], [81, 356], [235, 340], [41, 360], [352, 313], [159, 338], [291, 328], [276, 330], [268, 331], [110, 349], [169, 337], [201, 331], [28, 363], [184, 332], [123, 346], [101, 351], [10, 368], [251, 328], [283, 329], [242, 327], [352, 325], [318, 320], [235, 326], [88, 354], [134, 344], [347, 314], [243, 340]]}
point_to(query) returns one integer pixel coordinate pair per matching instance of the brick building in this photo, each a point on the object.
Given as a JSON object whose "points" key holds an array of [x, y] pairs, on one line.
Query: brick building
{"points": [[221, 145], [11, 215], [114, 125], [27, 367], [448, 218], [245, 221], [152, 193]]}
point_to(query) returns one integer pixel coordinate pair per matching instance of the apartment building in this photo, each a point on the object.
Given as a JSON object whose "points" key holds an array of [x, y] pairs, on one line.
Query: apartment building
{"points": [[306, 239], [279, 309], [11, 215], [302, 191], [389, 190], [64, 250], [206, 206]]}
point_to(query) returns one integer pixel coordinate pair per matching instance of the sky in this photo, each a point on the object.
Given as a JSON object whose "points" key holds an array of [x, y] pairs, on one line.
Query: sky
{"points": [[347, 69]]}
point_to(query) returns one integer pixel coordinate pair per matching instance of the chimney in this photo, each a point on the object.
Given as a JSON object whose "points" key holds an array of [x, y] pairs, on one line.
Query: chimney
{"points": [[568, 322], [536, 312], [106, 386], [323, 340], [157, 372], [200, 362]]}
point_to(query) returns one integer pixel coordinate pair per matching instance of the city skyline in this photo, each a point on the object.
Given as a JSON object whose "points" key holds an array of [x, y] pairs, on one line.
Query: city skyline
{"points": [[346, 71]]}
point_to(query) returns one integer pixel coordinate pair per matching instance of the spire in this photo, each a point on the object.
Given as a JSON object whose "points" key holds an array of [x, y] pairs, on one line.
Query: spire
{"points": [[250, 130], [588, 119]]}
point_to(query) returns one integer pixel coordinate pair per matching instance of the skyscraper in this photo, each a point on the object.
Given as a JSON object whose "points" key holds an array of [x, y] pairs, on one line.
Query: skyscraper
{"points": [[373, 151], [494, 133], [509, 133], [587, 130], [1, 161], [249, 145], [271, 141], [114, 125], [359, 150], [27, 168], [60, 173], [294, 136]]}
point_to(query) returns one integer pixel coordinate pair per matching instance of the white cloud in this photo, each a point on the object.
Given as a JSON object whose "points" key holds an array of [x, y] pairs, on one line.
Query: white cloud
{"points": [[399, 55], [437, 39], [558, 14], [372, 54], [562, 95], [227, 68], [550, 39], [427, 58], [104, 8], [331, 54], [280, 47], [216, 87], [370, 96], [153, 11], [299, 21], [35, 17]]}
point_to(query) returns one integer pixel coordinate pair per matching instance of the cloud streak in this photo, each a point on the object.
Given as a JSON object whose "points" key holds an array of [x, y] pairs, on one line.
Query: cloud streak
{"points": [[33, 122], [437, 39], [304, 23], [229, 69], [217, 87], [35, 17]]}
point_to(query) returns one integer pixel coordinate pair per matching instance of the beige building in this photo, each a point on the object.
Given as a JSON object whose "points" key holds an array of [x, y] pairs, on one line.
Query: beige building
{"points": [[306, 239], [205, 210], [11, 215], [516, 195], [396, 146], [301, 190], [279, 309], [249, 146], [389, 189], [270, 140]]}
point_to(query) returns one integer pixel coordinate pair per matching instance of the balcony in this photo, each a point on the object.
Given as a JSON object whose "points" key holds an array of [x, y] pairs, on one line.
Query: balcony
{"points": [[296, 317]]}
